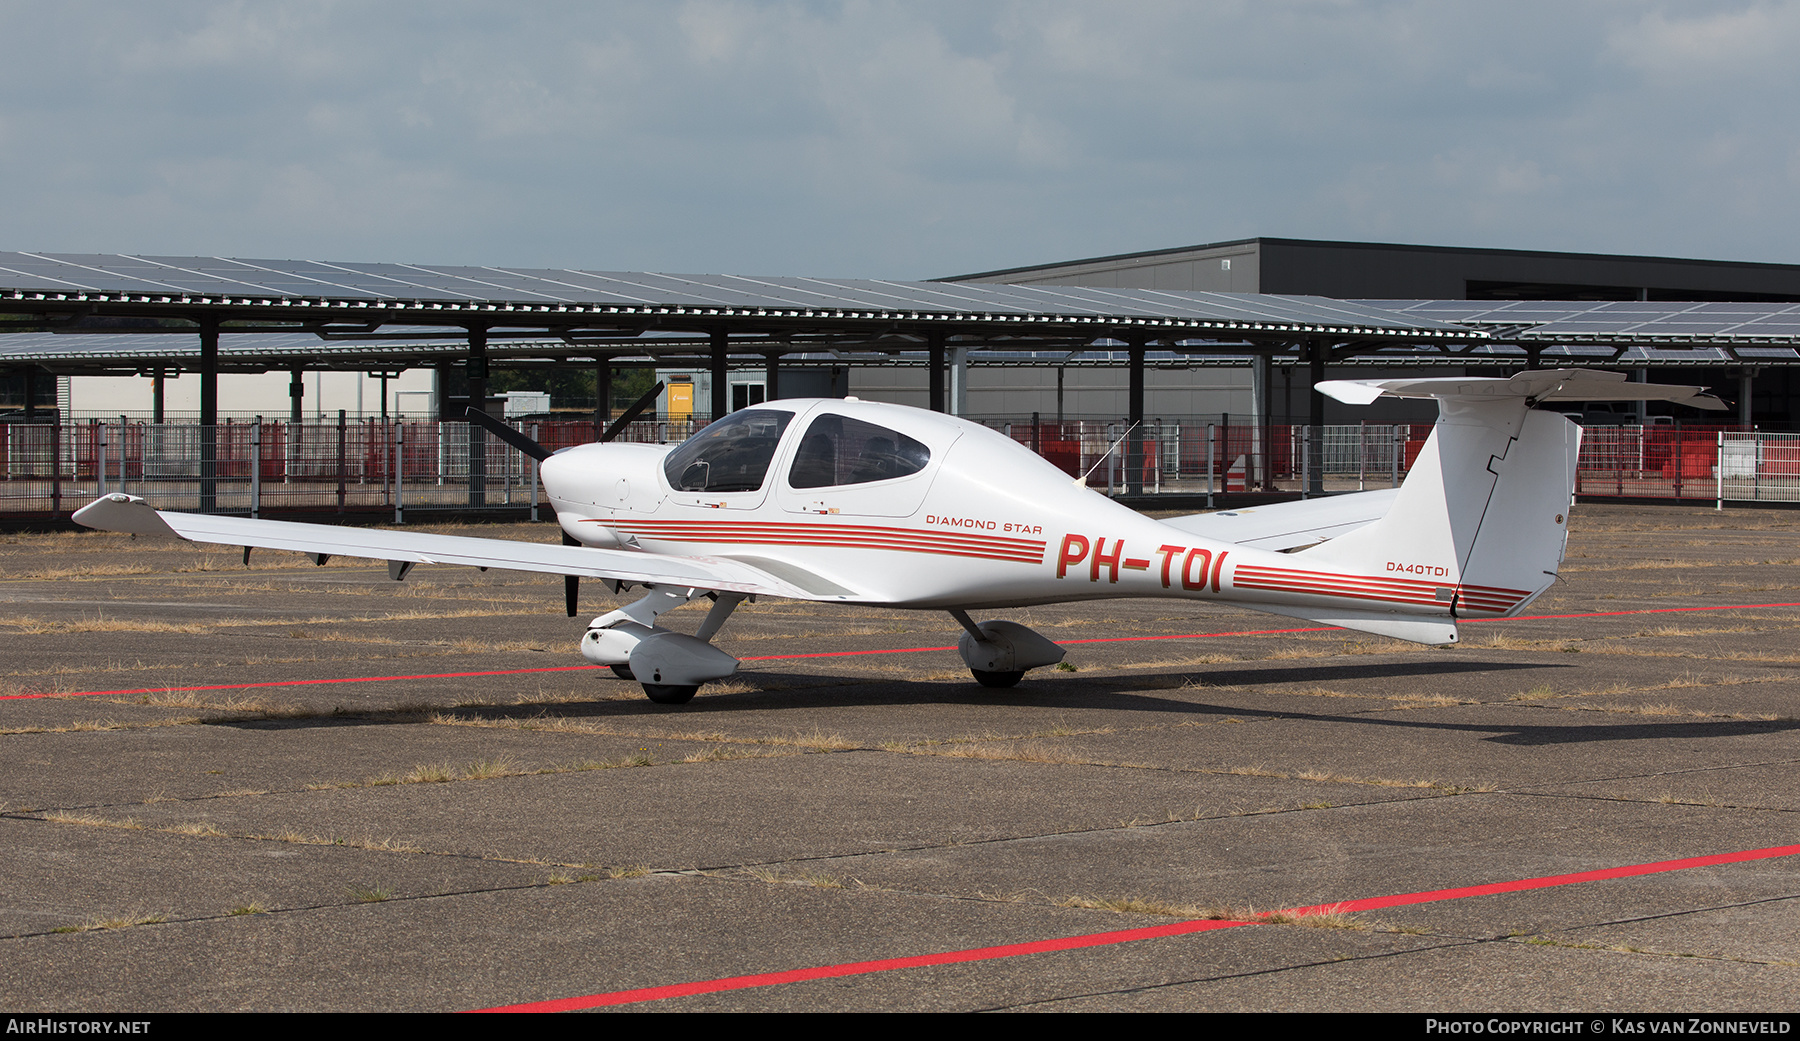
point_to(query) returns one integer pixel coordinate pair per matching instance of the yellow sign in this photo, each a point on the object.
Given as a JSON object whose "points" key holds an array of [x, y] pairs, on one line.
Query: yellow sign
{"points": [[681, 400]]}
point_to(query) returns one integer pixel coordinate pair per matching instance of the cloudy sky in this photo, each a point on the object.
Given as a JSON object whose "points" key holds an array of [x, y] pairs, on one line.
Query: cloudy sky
{"points": [[893, 140]]}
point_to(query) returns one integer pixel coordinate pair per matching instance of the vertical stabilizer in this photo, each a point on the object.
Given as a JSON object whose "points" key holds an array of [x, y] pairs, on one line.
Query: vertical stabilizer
{"points": [[1520, 543], [1484, 511]]}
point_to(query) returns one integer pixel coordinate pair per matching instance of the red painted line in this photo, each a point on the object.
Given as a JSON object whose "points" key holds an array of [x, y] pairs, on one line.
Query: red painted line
{"points": [[844, 654], [861, 968], [1646, 610], [1549, 881], [1199, 636]]}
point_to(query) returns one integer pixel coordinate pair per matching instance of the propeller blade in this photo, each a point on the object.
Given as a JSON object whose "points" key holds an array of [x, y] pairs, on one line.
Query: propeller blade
{"points": [[508, 434], [631, 413], [571, 583]]}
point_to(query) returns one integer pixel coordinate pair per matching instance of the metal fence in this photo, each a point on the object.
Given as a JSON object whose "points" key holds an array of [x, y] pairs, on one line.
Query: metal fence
{"points": [[256, 468], [1757, 467], [1220, 457], [48, 470], [1656, 462]]}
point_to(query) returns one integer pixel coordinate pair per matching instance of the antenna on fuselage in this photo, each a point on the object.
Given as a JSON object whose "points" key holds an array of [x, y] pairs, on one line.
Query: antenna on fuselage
{"points": [[1081, 482]]}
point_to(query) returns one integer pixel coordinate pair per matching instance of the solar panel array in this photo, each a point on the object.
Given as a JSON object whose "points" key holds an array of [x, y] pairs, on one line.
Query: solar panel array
{"points": [[224, 282], [1618, 321], [1218, 324]]}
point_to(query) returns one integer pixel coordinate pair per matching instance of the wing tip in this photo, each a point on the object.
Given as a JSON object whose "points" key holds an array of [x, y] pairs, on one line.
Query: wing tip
{"points": [[127, 514]]}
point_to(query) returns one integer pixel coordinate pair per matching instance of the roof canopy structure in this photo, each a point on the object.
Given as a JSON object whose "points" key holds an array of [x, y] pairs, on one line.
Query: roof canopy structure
{"points": [[113, 314], [1725, 330], [600, 313], [139, 313]]}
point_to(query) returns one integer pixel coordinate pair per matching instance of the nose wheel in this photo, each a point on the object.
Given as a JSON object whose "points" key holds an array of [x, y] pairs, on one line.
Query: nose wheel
{"points": [[997, 679]]}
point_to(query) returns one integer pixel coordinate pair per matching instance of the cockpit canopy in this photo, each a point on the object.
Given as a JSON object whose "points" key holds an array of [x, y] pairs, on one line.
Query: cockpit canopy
{"points": [[734, 454], [731, 455], [838, 450]]}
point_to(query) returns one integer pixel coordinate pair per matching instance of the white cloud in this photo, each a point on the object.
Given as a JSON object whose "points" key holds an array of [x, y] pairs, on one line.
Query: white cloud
{"points": [[892, 139], [1738, 40]]}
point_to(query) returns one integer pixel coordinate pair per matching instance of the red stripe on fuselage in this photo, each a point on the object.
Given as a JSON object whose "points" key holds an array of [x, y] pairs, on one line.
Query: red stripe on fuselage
{"points": [[839, 536], [1373, 587]]}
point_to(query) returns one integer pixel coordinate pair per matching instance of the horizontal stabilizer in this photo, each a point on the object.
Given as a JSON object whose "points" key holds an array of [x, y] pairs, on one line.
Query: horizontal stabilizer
{"points": [[1289, 525], [1535, 387]]}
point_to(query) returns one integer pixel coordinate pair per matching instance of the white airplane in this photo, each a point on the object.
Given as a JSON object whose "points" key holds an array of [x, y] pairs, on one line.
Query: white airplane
{"points": [[846, 501]]}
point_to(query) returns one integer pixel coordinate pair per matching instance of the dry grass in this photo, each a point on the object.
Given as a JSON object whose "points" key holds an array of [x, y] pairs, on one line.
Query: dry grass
{"points": [[123, 921], [814, 740], [207, 829], [1328, 777], [489, 769], [1011, 751], [1062, 728], [1379, 782], [94, 570], [31, 688], [92, 820], [1142, 905], [1332, 917], [774, 876], [1403, 702], [235, 705], [95, 725], [103, 624], [366, 842], [1381, 647], [1732, 680], [1506, 642], [1666, 709], [1189, 661], [1541, 692], [817, 740], [721, 754]]}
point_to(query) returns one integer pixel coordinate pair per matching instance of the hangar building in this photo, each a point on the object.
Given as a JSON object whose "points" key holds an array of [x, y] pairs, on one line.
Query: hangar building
{"points": [[1383, 274]]}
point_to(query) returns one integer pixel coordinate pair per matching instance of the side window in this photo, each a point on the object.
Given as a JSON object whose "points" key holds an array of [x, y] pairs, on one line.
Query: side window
{"points": [[839, 450], [731, 455]]}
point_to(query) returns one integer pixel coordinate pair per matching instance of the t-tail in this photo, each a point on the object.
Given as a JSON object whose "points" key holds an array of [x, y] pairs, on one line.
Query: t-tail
{"points": [[1481, 522]]}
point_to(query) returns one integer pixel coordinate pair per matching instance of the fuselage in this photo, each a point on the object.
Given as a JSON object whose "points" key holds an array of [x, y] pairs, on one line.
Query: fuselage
{"points": [[866, 502]]}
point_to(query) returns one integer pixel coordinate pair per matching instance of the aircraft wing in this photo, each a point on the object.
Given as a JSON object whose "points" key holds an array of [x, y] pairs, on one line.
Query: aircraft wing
{"points": [[1289, 525], [128, 513]]}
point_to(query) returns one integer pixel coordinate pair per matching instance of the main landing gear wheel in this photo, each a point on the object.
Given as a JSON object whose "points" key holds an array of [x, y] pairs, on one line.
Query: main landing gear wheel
{"points": [[997, 679], [674, 694], [622, 671]]}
